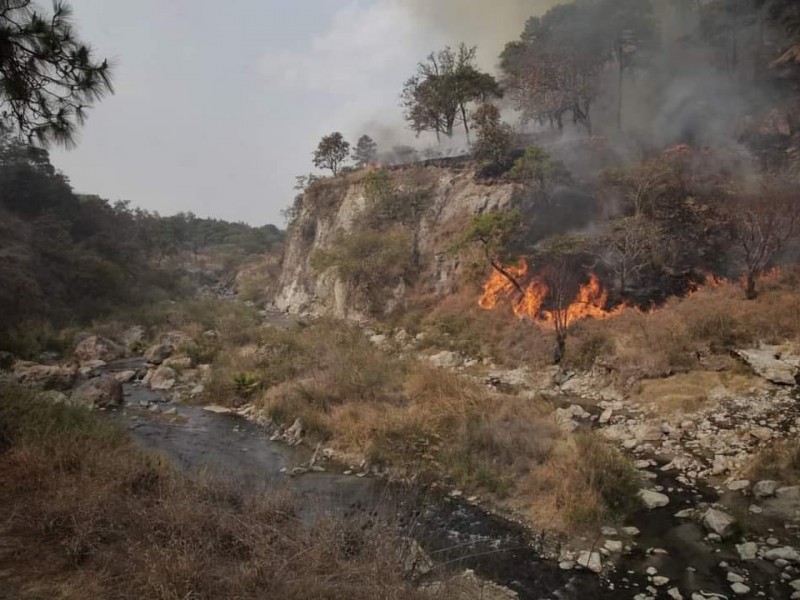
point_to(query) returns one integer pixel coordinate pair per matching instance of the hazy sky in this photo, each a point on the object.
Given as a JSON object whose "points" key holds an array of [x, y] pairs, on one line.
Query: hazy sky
{"points": [[219, 105]]}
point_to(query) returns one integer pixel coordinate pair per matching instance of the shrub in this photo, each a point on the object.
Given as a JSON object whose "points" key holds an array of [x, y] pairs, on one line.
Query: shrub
{"points": [[370, 263]]}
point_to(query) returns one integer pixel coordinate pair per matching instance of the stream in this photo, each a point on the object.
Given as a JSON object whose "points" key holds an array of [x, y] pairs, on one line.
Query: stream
{"points": [[457, 535]]}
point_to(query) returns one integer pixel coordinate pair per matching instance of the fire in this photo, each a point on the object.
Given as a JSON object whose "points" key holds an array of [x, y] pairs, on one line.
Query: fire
{"points": [[499, 286], [590, 301]]}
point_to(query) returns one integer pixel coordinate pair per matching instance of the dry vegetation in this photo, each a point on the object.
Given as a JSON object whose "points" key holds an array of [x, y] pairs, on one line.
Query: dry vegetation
{"points": [[684, 334], [422, 423], [780, 461], [88, 515]]}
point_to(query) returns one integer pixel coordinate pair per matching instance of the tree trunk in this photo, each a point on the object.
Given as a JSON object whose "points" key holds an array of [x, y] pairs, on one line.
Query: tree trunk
{"points": [[466, 124], [750, 286], [619, 93], [508, 276], [560, 349]]}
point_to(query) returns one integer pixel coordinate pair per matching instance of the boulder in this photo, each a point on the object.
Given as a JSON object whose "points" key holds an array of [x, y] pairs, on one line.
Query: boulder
{"points": [[652, 499], [718, 522], [786, 553], [125, 376], [96, 347], [648, 432], [738, 485], [158, 353], [163, 378], [98, 392], [445, 359], [772, 363], [48, 377], [176, 339], [747, 550], [765, 488], [591, 561], [217, 410], [178, 362]]}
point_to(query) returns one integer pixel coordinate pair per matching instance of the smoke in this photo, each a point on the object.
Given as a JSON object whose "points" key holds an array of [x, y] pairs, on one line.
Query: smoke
{"points": [[488, 25]]}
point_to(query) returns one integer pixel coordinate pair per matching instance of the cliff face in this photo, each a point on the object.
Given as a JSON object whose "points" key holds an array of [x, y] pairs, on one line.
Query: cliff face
{"points": [[332, 209]]}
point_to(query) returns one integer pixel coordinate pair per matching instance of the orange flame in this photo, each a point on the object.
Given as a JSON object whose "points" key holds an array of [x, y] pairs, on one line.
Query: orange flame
{"points": [[499, 286], [590, 302]]}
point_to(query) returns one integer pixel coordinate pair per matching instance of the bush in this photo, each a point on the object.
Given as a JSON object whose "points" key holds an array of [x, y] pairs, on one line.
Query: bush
{"points": [[371, 263]]}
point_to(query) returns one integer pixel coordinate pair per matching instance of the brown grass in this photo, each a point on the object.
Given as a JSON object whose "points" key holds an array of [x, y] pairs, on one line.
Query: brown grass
{"points": [[585, 483], [779, 461], [446, 428], [88, 515], [674, 338], [689, 392]]}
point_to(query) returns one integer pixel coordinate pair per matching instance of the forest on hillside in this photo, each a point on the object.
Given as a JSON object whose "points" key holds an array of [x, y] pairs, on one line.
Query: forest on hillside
{"points": [[69, 258]]}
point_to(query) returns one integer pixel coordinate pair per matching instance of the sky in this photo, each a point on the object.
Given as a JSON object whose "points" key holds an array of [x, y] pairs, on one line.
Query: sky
{"points": [[218, 106]]}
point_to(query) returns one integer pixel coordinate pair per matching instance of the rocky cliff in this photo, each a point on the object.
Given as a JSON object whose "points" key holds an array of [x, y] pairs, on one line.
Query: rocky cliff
{"points": [[331, 208]]}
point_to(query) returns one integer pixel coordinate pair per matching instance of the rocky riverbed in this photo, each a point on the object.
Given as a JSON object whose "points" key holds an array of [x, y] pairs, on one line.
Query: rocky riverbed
{"points": [[706, 530]]}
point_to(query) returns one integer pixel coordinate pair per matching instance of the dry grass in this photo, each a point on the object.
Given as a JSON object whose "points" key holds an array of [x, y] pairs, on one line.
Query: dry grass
{"points": [[445, 428], [779, 461], [584, 483], [88, 515], [690, 392], [677, 337]]}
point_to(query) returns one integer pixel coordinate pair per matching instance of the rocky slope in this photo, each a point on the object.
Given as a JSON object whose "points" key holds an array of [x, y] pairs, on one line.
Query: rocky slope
{"points": [[455, 195]]}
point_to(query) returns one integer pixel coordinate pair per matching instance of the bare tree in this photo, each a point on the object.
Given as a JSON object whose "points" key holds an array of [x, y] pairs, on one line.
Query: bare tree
{"points": [[563, 282], [627, 247], [762, 224]]}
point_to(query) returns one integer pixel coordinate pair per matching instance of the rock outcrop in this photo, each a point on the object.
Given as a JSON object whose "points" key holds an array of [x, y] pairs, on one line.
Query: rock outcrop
{"points": [[95, 347], [454, 197]]}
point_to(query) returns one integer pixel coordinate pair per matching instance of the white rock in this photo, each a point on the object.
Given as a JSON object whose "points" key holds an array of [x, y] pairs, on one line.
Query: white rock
{"points": [[735, 577], [765, 488], [653, 499], [605, 417], [785, 553], [674, 593], [219, 410], [738, 485], [445, 359], [747, 550], [718, 522], [740, 589], [591, 561], [660, 581], [613, 546], [631, 531]]}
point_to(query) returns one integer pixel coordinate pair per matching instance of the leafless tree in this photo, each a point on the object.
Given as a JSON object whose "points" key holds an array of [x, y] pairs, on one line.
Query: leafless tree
{"points": [[762, 223], [627, 247]]}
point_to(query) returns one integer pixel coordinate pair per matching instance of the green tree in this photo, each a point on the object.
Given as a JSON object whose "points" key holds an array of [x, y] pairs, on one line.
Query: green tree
{"points": [[495, 138], [365, 152], [436, 98], [48, 76], [331, 152], [537, 169]]}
